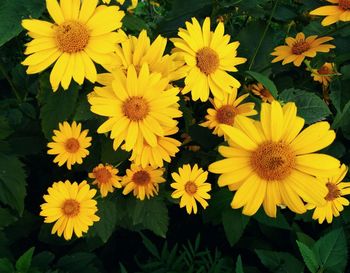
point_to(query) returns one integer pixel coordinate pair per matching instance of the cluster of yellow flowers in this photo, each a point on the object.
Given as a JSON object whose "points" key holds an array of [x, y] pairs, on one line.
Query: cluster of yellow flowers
{"points": [[271, 162]]}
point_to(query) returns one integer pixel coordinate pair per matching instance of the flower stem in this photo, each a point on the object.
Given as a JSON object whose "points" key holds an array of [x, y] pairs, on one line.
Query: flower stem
{"points": [[7, 77]]}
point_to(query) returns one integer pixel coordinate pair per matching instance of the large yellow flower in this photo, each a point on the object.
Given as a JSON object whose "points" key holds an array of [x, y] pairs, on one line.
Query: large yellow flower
{"points": [[137, 105], [324, 74], [334, 13], [209, 56], [69, 144], [81, 33], [272, 162], [190, 184], [71, 206], [298, 48], [334, 201], [143, 182], [226, 110]]}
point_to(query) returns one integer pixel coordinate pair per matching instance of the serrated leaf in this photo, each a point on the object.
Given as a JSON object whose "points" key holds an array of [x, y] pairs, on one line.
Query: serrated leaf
{"points": [[308, 257], [239, 265], [107, 212], [234, 224], [266, 82], [24, 262], [6, 218]]}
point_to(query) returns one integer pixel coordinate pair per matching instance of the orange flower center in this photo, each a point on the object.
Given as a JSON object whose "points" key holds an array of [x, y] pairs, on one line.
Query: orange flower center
{"points": [[344, 4], [324, 70], [273, 160], [300, 47], [191, 187], [70, 208], [72, 145], [226, 114], [102, 175], [72, 36], [136, 108], [333, 192], [141, 178], [207, 60]]}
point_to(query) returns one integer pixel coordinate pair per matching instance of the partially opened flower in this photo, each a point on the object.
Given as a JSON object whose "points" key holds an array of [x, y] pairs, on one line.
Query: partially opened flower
{"points": [[339, 11], [71, 207], [81, 33], [324, 74], [273, 162], [261, 91], [335, 201], [106, 178], [301, 47]]}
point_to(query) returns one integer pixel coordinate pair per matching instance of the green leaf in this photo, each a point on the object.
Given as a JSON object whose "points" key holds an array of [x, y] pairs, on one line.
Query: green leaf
{"points": [[24, 262], [150, 246], [278, 222], [6, 218], [12, 182], [107, 212], [219, 202], [78, 262], [134, 24], [12, 13], [203, 137], [310, 107], [108, 155], [6, 266], [5, 129], [234, 224], [239, 265], [83, 112], [305, 239], [308, 256], [266, 82], [122, 268], [42, 260]]}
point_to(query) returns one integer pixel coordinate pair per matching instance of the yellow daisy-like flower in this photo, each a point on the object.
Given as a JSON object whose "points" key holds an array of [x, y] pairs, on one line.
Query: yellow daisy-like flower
{"points": [[144, 154], [190, 184], [272, 162], [226, 110], [136, 105], [262, 92], [334, 13], [71, 206], [298, 48], [106, 178], [69, 144], [323, 74], [208, 56], [334, 201], [143, 182], [81, 33]]}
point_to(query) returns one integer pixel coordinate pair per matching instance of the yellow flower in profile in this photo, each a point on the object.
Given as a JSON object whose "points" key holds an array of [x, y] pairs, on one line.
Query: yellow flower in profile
{"points": [[334, 201], [226, 110], [273, 162], [261, 91], [106, 178], [81, 33], [136, 106], [340, 11], [69, 144], [143, 182], [324, 74], [190, 184], [208, 56], [71, 207], [144, 154], [298, 48]]}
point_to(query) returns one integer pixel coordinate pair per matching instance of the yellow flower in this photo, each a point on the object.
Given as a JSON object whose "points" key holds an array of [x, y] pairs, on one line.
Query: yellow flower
{"points": [[81, 33], [334, 13], [143, 182], [323, 74], [71, 206], [106, 178], [136, 105], [272, 162], [208, 56], [262, 92], [190, 184], [300, 47], [334, 201], [69, 144], [226, 110], [121, 2]]}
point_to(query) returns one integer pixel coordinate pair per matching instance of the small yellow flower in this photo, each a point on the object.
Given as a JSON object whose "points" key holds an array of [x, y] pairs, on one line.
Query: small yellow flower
{"points": [[69, 144], [323, 74], [335, 202], [106, 178], [340, 11], [71, 206], [190, 184], [143, 182], [262, 92], [298, 48]]}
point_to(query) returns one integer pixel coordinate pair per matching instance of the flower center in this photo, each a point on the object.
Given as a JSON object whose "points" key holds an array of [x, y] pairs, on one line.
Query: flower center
{"points": [[136, 108], [102, 175], [324, 70], [207, 60], [344, 4], [191, 187], [72, 145], [71, 208], [300, 47], [141, 178], [72, 36], [226, 114], [333, 192], [273, 160]]}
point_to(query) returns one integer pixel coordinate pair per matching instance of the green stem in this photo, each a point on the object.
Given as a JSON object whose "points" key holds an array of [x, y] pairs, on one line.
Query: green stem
{"points": [[263, 36], [13, 88]]}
